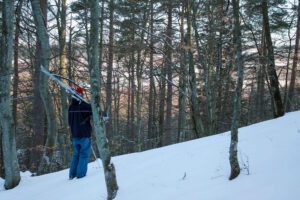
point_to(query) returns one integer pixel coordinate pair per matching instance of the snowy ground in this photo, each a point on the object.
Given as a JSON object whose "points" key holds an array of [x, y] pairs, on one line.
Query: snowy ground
{"points": [[196, 170]]}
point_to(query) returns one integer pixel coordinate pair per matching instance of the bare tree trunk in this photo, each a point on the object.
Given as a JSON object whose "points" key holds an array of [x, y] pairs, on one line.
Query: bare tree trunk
{"points": [[168, 63], [139, 69], [116, 118], [182, 85], [101, 36], [63, 135], [132, 91], [38, 115], [237, 42], [291, 91], [109, 126], [162, 100], [227, 96], [128, 125], [39, 14], [139, 93], [152, 132], [16, 63], [2, 173], [209, 64], [278, 109], [102, 143], [195, 107], [61, 21], [261, 76], [219, 90], [7, 127], [69, 51]]}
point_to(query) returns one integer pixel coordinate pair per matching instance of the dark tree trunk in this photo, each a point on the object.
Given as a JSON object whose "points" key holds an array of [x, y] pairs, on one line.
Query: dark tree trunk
{"points": [[139, 93], [168, 63], [152, 132], [2, 173], [278, 109], [63, 135], [39, 10], [109, 126], [291, 91], [237, 42], [182, 85], [195, 105], [38, 115], [261, 77], [16, 63], [162, 102], [102, 143], [7, 126]]}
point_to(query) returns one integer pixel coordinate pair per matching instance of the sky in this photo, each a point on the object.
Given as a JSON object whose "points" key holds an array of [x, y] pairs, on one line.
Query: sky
{"points": [[268, 154]]}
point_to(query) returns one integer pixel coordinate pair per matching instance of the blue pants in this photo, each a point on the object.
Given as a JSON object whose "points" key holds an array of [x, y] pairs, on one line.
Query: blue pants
{"points": [[81, 157]]}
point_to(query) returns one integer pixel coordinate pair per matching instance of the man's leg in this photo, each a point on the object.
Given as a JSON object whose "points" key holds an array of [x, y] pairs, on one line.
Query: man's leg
{"points": [[84, 157], [75, 158]]}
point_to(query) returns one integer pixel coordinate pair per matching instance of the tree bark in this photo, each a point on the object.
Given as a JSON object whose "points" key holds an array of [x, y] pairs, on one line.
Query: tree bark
{"points": [[101, 37], [152, 132], [182, 85], [220, 78], [139, 93], [2, 173], [132, 92], [38, 115], [16, 63], [7, 127], [168, 63], [195, 107], [237, 42], [102, 143], [209, 72], [109, 126], [278, 109], [40, 19], [261, 78], [162, 102], [291, 91], [62, 32], [63, 135]]}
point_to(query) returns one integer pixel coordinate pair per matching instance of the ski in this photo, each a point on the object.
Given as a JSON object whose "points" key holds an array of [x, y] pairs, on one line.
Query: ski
{"points": [[104, 117], [67, 88]]}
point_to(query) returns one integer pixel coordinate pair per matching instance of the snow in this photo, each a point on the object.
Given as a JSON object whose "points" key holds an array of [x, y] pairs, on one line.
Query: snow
{"points": [[195, 170]]}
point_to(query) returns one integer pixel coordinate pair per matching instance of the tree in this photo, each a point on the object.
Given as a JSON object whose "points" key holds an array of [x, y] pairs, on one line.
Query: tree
{"points": [[110, 65], [64, 141], [102, 143], [7, 127], [291, 91], [40, 20], [169, 64], [278, 109], [16, 56], [38, 113], [2, 172], [139, 79], [182, 83], [238, 61], [152, 131], [195, 105]]}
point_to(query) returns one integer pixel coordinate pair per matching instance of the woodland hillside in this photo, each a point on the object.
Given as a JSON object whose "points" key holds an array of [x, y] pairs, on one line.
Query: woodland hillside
{"points": [[164, 71]]}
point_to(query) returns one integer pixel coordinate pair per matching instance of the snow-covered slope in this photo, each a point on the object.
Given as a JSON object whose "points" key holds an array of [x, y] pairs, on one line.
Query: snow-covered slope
{"points": [[269, 153]]}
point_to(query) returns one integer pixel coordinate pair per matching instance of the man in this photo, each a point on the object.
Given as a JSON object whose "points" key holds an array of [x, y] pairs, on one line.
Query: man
{"points": [[79, 122]]}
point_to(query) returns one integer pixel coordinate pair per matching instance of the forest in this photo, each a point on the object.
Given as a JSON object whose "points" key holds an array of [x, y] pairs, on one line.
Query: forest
{"points": [[164, 72]]}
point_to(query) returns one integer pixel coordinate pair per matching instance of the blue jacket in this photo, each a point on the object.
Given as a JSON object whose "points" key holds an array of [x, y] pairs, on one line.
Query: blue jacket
{"points": [[79, 119]]}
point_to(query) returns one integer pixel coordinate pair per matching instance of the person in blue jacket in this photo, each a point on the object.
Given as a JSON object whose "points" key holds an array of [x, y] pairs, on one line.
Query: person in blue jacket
{"points": [[79, 116]]}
